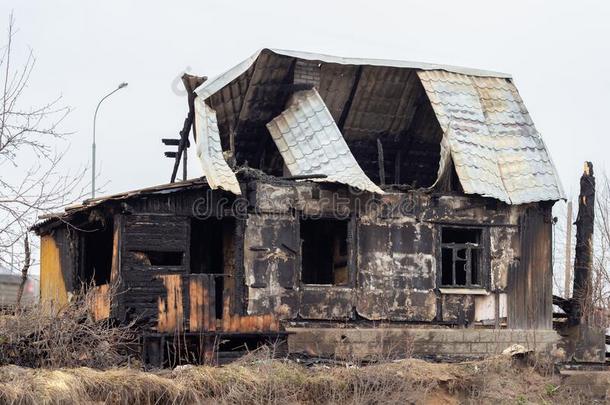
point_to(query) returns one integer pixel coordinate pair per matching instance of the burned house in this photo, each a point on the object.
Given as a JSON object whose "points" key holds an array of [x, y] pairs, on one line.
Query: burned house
{"points": [[347, 205]]}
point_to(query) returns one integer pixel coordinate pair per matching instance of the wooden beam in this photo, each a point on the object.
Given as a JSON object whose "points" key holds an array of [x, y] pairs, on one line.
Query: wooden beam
{"points": [[184, 133], [190, 84], [568, 266], [397, 164], [184, 166], [380, 162], [348, 103]]}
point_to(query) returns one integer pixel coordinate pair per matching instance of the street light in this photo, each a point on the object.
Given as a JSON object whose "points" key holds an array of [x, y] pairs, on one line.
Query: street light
{"points": [[120, 86]]}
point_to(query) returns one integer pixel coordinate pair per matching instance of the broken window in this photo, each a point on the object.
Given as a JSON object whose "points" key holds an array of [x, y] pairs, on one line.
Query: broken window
{"points": [[211, 245], [97, 255], [462, 253], [157, 258], [324, 251]]}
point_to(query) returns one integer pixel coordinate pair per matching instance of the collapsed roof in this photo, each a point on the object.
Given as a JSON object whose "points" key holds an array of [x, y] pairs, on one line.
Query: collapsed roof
{"points": [[310, 143], [398, 122]]}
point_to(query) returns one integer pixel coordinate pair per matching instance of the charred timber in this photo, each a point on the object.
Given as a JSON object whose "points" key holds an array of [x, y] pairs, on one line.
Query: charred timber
{"points": [[305, 177], [190, 83], [583, 258]]}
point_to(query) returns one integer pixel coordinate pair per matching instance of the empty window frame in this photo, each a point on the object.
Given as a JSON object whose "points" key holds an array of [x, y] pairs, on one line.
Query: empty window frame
{"points": [[212, 243], [97, 255], [157, 258], [462, 252], [324, 252]]}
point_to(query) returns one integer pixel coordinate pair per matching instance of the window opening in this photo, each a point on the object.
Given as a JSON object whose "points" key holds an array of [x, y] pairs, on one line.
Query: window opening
{"points": [[158, 258], [98, 255], [461, 257], [324, 250]]}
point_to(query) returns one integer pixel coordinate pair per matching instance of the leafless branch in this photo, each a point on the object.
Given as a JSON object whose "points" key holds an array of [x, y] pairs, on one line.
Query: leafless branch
{"points": [[24, 270], [29, 133], [601, 251]]}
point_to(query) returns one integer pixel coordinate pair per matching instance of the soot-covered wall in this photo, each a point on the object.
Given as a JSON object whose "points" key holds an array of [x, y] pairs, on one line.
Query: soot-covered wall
{"points": [[393, 255]]}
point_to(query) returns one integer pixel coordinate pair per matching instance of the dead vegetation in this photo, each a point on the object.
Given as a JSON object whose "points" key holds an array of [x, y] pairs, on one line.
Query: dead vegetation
{"points": [[51, 355], [260, 379], [68, 336]]}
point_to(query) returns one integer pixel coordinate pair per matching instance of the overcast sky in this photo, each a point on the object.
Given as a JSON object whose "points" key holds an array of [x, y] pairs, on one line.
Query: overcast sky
{"points": [[557, 51]]}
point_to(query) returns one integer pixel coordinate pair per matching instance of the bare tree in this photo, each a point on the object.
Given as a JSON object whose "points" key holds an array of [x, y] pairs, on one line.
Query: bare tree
{"points": [[32, 148], [598, 309], [601, 258]]}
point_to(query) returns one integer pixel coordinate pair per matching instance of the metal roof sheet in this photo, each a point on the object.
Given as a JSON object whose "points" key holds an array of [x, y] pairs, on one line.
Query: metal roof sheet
{"points": [[491, 138], [178, 186], [209, 150], [383, 103], [217, 83], [310, 143]]}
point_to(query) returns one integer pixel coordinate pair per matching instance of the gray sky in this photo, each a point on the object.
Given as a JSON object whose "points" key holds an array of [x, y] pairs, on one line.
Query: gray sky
{"points": [[557, 51]]}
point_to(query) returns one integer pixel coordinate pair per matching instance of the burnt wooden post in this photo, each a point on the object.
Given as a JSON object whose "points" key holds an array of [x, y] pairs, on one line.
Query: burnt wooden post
{"points": [[583, 258], [568, 266], [190, 84], [184, 133], [380, 161]]}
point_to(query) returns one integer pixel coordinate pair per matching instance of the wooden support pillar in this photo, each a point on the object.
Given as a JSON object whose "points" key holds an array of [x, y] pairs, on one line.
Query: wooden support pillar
{"points": [[190, 84], [397, 168], [381, 162], [184, 166], [583, 258], [568, 266]]}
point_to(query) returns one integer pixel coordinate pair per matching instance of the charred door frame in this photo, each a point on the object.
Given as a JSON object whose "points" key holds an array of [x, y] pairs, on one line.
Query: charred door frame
{"points": [[230, 281]]}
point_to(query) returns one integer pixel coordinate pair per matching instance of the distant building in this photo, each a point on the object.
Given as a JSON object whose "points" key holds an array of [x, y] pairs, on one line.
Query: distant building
{"points": [[9, 287]]}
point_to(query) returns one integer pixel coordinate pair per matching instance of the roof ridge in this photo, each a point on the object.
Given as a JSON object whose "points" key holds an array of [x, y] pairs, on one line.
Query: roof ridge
{"points": [[213, 85]]}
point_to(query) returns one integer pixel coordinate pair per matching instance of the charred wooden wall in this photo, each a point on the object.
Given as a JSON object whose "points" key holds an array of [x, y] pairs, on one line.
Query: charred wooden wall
{"points": [[141, 281], [393, 259], [530, 287], [58, 263]]}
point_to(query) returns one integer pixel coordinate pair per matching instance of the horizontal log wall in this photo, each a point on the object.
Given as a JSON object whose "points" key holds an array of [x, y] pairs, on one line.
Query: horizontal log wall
{"points": [[394, 258]]}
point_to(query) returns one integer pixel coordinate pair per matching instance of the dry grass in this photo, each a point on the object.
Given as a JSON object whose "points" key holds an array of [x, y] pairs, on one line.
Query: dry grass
{"points": [[260, 379], [73, 360], [42, 336]]}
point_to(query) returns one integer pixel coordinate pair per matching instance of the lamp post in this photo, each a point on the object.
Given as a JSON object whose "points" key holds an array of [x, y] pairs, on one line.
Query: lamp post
{"points": [[120, 86]]}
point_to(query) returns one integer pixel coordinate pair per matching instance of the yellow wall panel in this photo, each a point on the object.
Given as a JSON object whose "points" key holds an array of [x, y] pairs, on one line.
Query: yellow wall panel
{"points": [[52, 283]]}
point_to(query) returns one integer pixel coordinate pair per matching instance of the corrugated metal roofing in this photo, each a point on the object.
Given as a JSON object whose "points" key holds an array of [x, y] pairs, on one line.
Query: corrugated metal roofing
{"points": [[488, 133], [168, 188], [383, 103], [310, 143], [246, 104], [209, 150], [212, 86], [491, 138]]}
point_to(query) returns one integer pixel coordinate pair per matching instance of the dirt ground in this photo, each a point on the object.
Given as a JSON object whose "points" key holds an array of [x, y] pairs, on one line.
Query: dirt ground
{"points": [[257, 379]]}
